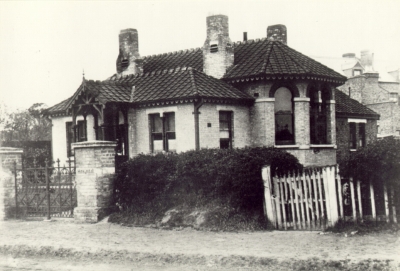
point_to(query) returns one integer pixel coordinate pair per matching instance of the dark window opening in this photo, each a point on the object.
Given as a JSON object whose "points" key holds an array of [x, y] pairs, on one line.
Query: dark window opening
{"points": [[214, 48], [353, 136], [163, 136], [319, 110], [256, 94], [225, 129], [284, 129], [80, 134], [124, 63], [361, 135]]}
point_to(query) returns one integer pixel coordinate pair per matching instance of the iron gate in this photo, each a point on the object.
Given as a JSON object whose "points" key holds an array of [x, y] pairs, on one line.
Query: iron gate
{"points": [[45, 191]]}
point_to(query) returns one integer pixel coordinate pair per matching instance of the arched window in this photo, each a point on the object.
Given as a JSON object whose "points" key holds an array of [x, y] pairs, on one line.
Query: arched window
{"points": [[284, 128], [319, 110]]}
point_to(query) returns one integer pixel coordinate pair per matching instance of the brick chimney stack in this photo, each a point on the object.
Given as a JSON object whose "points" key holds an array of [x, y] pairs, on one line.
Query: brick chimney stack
{"points": [[129, 61], [367, 60], [217, 49], [277, 32]]}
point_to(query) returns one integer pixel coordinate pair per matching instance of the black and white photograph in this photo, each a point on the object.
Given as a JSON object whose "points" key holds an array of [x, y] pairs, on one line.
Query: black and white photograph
{"points": [[199, 135]]}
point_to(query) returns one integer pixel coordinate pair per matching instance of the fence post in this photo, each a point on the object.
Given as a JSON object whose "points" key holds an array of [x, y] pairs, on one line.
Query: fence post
{"points": [[394, 207], [353, 200], [46, 174], [373, 210], [359, 200], [339, 192], [16, 191], [385, 195], [332, 198], [266, 176]]}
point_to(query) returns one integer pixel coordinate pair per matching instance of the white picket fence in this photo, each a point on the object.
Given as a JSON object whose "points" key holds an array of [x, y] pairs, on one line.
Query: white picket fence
{"points": [[317, 198]]}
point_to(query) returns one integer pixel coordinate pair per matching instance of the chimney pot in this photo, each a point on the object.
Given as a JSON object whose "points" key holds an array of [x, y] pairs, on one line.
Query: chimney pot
{"points": [[277, 32], [349, 55], [244, 36]]}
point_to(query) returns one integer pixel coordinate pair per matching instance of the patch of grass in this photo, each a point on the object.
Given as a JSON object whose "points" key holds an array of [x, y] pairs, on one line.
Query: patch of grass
{"points": [[365, 227]]}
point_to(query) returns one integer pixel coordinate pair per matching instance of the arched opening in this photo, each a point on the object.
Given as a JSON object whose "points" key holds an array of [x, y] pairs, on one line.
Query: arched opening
{"points": [[284, 128]]}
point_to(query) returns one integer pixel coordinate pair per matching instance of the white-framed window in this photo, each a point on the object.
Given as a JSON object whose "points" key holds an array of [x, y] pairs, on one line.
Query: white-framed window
{"points": [[162, 132], [357, 133], [225, 129]]}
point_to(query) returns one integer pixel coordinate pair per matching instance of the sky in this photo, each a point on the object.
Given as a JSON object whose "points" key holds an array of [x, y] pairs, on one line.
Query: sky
{"points": [[46, 45]]}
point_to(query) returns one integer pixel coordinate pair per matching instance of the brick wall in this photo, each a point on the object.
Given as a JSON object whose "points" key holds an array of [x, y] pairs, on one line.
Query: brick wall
{"points": [[7, 183], [95, 167], [343, 136], [209, 114], [216, 62], [389, 117], [315, 157]]}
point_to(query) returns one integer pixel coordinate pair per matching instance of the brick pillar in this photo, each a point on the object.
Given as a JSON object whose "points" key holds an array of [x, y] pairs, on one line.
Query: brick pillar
{"points": [[302, 122], [263, 122], [95, 168], [7, 182], [331, 122]]}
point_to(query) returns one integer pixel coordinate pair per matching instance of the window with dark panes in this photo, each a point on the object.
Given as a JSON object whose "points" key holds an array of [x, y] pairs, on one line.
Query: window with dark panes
{"points": [[319, 110], [163, 136], [80, 134], [225, 129], [353, 135], [361, 135], [284, 129]]}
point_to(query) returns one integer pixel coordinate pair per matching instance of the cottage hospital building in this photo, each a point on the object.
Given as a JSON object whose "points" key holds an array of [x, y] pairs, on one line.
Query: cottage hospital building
{"points": [[223, 95]]}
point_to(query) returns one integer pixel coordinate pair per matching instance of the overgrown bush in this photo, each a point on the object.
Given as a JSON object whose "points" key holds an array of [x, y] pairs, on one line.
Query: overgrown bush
{"points": [[149, 185], [377, 162]]}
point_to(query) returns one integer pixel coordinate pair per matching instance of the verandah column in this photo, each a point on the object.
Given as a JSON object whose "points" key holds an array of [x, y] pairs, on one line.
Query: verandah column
{"points": [[95, 168], [9, 157]]}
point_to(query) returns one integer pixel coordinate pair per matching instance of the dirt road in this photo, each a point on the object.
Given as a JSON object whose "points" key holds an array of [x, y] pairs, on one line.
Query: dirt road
{"points": [[207, 247]]}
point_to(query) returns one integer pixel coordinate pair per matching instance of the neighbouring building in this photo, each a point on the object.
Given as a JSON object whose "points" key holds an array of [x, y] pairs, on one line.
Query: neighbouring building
{"points": [[373, 83], [223, 95]]}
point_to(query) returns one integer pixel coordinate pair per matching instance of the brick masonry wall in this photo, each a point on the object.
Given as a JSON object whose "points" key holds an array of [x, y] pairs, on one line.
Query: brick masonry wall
{"points": [[315, 157], [95, 167], [389, 117], [7, 184], [209, 136], [343, 136]]}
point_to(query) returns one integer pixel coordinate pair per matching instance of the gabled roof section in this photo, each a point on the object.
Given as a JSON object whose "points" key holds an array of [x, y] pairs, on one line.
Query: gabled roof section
{"points": [[186, 58], [180, 83], [105, 91], [273, 59], [348, 107]]}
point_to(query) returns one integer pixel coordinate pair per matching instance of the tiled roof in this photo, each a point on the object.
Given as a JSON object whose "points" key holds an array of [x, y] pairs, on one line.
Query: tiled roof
{"points": [[345, 106], [168, 85], [186, 58], [107, 92], [60, 107], [180, 83], [273, 58]]}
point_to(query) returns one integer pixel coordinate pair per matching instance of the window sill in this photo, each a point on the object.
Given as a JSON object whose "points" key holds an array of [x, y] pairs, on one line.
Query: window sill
{"points": [[353, 150], [327, 146], [287, 146]]}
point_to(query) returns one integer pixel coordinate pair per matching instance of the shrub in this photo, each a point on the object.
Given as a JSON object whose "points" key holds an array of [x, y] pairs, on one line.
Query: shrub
{"points": [[151, 184], [377, 162]]}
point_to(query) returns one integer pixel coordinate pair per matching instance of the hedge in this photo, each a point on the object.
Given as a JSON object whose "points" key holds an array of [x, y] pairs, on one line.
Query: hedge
{"points": [[151, 184], [379, 161]]}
